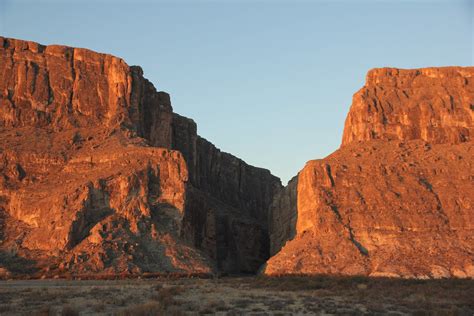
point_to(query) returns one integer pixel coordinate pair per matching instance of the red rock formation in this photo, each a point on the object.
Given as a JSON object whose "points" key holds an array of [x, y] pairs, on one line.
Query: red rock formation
{"points": [[103, 204], [59, 87], [396, 205], [432, 104], [84, 187], [403, 209]]}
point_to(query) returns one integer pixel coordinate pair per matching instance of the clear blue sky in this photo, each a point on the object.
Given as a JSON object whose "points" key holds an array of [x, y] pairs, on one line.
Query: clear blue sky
{"points": [[268, 81]]}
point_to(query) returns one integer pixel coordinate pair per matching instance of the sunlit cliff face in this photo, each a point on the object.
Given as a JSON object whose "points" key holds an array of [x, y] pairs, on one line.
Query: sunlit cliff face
{"points": [[98, 175], [432, 104], [396, 198]]}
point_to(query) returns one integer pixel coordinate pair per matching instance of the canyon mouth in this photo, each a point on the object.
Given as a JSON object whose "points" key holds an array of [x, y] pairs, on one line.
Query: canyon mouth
{"points": [[100, 178]]}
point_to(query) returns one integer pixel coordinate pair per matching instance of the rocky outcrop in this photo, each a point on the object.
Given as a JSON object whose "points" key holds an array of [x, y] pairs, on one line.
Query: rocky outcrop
{"points": [[432, 104], [103, 204], [396, 199], [401, 209], [98, 175]]}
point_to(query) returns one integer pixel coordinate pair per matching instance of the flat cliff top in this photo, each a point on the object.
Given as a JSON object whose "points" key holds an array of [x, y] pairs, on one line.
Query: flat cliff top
{"points": [[29, 48], [400, 76], [432, 104]]}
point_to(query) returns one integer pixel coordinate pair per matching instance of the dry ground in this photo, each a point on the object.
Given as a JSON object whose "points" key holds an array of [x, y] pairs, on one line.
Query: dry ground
{"points": [[238, 296]]}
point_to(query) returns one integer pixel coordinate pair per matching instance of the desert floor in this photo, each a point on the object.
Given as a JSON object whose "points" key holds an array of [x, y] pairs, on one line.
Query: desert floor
{"points": [[238, 296]]}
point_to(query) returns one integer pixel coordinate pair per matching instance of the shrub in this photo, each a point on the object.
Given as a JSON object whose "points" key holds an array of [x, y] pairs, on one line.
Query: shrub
{"points": [[69, 311]]}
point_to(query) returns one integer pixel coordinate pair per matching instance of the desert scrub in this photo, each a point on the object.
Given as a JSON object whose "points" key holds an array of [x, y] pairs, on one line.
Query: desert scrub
{"points": [[166, 295], [150, 308], [69, 310]]}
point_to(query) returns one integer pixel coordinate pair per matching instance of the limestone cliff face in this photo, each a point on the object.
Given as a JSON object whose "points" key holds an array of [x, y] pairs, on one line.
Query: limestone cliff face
{"points": [[432, 104], [85, 202], [396, 198], [282, 216], [227, 202], [98, 175], [59, 87], [403, 209]]}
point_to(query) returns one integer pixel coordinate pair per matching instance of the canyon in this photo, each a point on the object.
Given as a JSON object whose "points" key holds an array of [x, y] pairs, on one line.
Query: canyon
{"points": [[98, 176]]}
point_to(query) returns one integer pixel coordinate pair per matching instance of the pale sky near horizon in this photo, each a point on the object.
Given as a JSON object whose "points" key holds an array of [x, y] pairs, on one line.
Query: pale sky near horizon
{"points": [[268, 81]]}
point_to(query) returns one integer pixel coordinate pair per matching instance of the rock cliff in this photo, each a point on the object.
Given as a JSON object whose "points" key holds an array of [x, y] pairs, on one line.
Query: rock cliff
{"points": [[282, 216], [227, 202], [98, 175], [396, 199], [432, 104]]}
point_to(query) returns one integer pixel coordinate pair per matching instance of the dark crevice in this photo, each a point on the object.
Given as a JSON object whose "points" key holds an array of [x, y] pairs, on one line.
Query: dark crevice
{"points": [[34, 67], [329, 174], [73, 72], [359, 246], [347, 226], [50, 90], [439, 206]]}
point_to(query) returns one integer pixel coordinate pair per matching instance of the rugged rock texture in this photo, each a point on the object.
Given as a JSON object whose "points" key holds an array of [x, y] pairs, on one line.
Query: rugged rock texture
{"points": [[432, 104], [59, 87], [226, 202], [399, 201], [90, 182], [83, 202], [282, 216], [399, 209]]}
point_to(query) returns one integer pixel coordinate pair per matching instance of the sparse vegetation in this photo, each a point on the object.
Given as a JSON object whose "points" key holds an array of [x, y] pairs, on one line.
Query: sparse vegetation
{"points": [[151, 308], [44, 311], [285, 295], [69, 310]]}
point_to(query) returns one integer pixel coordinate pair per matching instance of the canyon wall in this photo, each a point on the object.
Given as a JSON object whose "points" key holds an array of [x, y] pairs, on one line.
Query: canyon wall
{"points": [[59, 88], [227, 202], [396, 199], [432, 104], [282, 216], [99, 175]]}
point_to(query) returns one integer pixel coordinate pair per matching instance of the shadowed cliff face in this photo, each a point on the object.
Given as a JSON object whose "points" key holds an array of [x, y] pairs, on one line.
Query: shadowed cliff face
{"points": [[396, 198], [283, 215], [227, 203], [84, 188]]}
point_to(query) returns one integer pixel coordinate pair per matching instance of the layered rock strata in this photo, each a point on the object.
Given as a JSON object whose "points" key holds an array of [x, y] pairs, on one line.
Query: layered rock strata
{"points": [[396, 199], [227, 202], [432, 104], [99, 175]]}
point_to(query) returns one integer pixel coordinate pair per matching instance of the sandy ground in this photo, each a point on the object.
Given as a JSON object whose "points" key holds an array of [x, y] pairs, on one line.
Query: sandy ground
{"points": [[238, 296]]}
